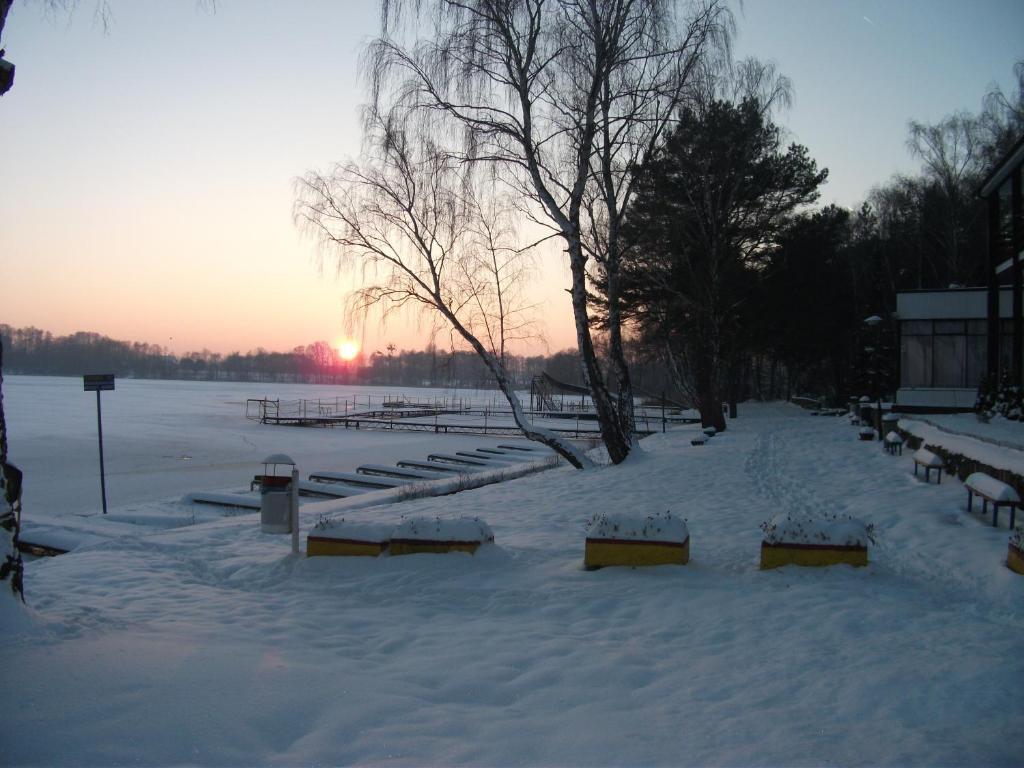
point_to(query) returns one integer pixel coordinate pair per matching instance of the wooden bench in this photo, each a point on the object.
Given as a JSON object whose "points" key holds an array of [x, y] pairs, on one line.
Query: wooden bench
{"points": [[929, 461], [988, 489]]}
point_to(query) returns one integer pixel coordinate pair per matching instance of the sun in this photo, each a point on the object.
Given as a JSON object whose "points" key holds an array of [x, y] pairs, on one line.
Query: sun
{"points": [[348, 350]]}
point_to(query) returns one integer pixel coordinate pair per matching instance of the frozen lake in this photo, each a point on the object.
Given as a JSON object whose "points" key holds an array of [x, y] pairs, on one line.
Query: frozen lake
{"points": [[163, 439]]}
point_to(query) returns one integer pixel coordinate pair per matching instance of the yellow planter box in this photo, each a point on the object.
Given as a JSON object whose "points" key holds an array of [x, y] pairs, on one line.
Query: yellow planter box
{"points": [[319, 546], [603, 552], [1015, 560], [420, 546], [815, 555]]}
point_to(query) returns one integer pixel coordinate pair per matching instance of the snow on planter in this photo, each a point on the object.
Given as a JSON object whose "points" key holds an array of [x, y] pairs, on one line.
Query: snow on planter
{"points": [[814, 541], [622, 538], [1015, 553], [415, 535], [867, 433], [699, 439], [348, 539]]}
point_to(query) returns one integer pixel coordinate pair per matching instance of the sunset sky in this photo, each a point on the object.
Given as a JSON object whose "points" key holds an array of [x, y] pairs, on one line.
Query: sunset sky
{"points": [[146, 172]]}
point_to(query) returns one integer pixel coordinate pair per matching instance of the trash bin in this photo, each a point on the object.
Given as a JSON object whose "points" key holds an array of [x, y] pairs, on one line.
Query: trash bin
{"points": [[276, 497]]}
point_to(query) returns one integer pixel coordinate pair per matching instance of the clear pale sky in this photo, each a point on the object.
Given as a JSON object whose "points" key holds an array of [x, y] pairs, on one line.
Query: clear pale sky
{"points": [[146, 171]]}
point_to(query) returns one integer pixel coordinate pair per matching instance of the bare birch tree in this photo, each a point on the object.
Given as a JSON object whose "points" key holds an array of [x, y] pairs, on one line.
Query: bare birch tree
{"points": [[423, 235], [562, 99]]}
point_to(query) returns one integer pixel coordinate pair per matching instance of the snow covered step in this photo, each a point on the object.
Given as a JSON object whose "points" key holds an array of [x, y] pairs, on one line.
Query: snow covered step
{"points": [[929, 461], [235, 500], [353, 478], [527, 448], [452, 459], [437, 466], [406, 472], [992, 490], [333, 490], [492, 459]]}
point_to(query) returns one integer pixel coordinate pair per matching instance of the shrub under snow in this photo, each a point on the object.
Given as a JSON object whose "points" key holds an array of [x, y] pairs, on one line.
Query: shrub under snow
{"points": [[836, 530], [353, 531], [658, 526], [441, 529]]}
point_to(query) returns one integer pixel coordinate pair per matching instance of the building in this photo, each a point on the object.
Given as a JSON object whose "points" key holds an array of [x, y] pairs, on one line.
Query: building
{"points": [[949, 339]]}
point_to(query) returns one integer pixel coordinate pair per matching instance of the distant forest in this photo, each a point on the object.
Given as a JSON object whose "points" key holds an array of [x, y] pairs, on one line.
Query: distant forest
{"points": [[32, 351]]}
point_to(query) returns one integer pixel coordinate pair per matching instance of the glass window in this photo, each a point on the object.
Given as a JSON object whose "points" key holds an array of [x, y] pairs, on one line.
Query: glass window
{"points": [[916, 328], [977, 327], [977, 356], [916, 361], [948, 359], [946, 327]]}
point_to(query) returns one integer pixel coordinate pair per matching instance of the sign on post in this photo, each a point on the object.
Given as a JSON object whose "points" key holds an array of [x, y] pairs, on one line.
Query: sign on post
{"points": [[99, 382]]}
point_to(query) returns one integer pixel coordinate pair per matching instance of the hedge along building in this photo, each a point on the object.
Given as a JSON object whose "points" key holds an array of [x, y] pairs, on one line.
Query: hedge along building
{"points": [[950, 339]]}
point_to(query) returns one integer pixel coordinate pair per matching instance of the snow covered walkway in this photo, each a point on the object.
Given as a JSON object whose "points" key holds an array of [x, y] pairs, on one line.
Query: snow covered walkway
{"points": [[211, 645]]}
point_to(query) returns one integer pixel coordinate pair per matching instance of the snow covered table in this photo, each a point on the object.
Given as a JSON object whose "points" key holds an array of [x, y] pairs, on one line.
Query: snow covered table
{"points": [[929, 461], [814, 541], [632, 539], [417, 535], [991, 490], [348, 539]]}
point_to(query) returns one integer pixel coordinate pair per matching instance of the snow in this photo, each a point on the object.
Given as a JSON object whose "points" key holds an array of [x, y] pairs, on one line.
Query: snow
{"points": [[894, 438], [925, 458], [833, 530], [424, 528], [655, 526], [353, 531], [212, 644], [998, 430], [995, 455], [988, 486]]}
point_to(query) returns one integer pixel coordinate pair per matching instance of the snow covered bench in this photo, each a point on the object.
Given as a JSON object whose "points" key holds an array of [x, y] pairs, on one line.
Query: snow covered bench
{"points": [[893, 443], [988, 489], [634, 539], [928, 461]]}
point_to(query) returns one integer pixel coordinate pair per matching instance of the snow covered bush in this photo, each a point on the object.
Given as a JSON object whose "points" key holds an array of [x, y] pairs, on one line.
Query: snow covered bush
{"points": [[1015, 551], [417, 535], [1006, 399], [835, 530], [468, 529], [633, 539], [356, 531], [344, 538], [658, 526], [814, 541]]}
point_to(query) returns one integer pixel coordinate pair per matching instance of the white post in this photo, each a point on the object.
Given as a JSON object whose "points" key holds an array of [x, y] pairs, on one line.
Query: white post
{"points": [[294, 510]]}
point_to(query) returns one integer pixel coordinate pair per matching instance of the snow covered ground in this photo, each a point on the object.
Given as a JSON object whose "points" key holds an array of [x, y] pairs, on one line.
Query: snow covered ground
{"points": [[164, 439], [210, 644]]}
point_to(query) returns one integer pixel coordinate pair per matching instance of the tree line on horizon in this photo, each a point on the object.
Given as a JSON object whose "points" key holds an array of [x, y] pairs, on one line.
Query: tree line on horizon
{"points": [[32, 351]]}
